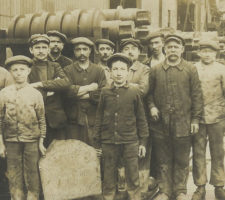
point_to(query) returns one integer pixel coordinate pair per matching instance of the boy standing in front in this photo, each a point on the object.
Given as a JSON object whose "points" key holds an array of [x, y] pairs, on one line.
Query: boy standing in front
{"points": [[121, 128], [22, 125]]}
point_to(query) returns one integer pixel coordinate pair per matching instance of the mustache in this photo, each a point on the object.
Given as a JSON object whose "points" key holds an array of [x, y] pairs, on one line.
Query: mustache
{"points": [[131, 55], [173, 54], [82, 56]]}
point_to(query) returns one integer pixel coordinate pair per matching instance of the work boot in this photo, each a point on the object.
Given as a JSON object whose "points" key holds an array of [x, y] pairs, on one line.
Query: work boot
{"points": [[182, 196], [162, 196], [199, 193], [219, 193]]}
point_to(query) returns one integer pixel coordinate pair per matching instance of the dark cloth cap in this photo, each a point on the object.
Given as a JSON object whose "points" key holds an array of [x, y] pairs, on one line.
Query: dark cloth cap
{"points": [[154, 35], [133, 41], [58, 34], [105, 41], [119, 56], [82, 40], [36, 38], [209, 44], [20, 59], [174, 37]]}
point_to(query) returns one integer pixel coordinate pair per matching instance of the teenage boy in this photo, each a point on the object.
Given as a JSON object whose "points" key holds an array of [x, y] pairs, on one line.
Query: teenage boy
{"points": [[212, 77], [121, 128], [22, 125]]}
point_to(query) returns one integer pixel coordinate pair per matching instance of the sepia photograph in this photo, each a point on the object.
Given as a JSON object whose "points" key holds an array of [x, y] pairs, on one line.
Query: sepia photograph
{"points": [[112, 99]]}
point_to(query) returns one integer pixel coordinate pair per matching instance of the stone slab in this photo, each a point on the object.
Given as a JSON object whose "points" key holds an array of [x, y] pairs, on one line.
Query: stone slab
{"points": [[70, 170]]}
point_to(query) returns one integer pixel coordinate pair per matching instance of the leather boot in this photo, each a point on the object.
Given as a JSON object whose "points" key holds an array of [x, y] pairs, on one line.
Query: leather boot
{"points": [[199, 193], [219, 193]]}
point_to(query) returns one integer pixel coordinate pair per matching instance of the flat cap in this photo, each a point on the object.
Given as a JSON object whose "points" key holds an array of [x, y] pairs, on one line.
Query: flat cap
{"points": [[36, 38], [154, 35], [20, 59], [209, 44], [58, 34], [133, 41], [119, 56], [105, 41], [174, 37], [82, 40]]}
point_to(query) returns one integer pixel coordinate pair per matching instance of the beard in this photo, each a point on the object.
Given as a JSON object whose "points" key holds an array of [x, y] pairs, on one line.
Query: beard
{"points": [[55, 50]]}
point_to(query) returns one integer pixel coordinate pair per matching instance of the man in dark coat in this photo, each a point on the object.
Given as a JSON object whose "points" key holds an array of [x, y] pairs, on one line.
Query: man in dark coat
{"points": [[57, 42], [82, 98], [175, 104], [50, 79]]}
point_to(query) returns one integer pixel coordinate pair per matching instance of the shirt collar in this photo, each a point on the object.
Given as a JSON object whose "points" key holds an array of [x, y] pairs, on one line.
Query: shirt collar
{"points": [[79, 69], [112, 86], [179, 66]]}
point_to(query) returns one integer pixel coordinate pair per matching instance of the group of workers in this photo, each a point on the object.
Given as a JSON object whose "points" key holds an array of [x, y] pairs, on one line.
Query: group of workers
{"points": [[142, 117]]}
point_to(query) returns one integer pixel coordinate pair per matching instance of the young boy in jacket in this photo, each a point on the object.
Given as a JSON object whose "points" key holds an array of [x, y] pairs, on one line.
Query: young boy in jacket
{"points": [[121, 128], [22, 130]]}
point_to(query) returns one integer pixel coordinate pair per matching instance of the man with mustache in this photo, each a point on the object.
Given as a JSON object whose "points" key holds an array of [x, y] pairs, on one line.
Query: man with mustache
{"points": [[105, 48], [175, 104], [49, 78], [155, 42], [57, 42], [83, 95], [212, 77], [138, 72]]}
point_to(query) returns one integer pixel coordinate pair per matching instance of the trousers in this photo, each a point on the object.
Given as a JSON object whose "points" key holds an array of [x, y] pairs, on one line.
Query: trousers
{"points": [[215, 133], [172, 159], [23, 172], [111, 156]]}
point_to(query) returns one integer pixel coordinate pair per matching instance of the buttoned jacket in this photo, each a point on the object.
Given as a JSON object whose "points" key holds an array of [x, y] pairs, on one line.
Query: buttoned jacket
{"points": [[176, 92]]}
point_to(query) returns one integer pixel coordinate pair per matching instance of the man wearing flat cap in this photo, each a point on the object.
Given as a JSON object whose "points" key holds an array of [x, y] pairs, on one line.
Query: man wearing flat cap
{"points": [[175, 105], [105, 48], [138, 72], [83, 95], [212, 77], [57, 42], [22, 130], [155, 43], [49, 78], [121, 129]]}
